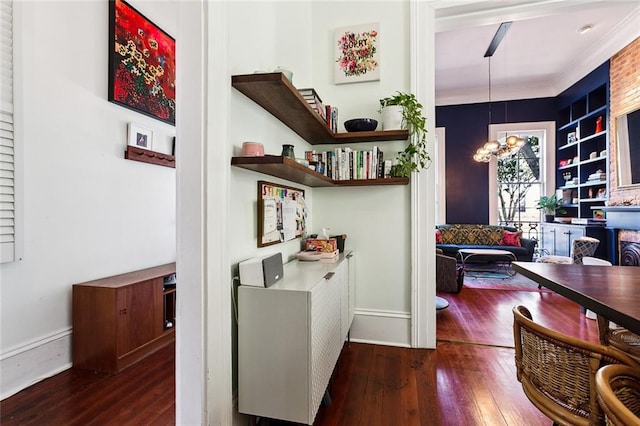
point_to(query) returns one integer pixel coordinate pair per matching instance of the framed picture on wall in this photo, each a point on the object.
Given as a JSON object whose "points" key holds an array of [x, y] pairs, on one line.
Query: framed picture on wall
{"points": [[142, 64], [356, 54], [282, 213], [140, 137]]}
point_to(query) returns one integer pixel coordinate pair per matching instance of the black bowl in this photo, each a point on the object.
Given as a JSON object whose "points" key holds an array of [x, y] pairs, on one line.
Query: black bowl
{"points": [[361, 125]]}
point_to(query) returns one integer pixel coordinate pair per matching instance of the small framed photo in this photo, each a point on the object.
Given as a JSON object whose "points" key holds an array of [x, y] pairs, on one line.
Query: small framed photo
{"points": [[599, 214], [571, 137], [140, 136]]}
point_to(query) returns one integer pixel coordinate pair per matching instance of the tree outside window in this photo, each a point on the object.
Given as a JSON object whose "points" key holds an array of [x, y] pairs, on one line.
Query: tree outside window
{"points": [[519, 185]]}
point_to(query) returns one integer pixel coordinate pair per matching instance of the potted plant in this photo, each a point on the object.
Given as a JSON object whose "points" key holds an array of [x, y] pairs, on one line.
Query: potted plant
{"points": [[549, 203], [415, 156]]}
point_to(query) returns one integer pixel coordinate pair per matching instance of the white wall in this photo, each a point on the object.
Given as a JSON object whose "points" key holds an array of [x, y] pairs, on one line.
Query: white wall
{"points": [[88, 212], [263, 36], [376, 219]]}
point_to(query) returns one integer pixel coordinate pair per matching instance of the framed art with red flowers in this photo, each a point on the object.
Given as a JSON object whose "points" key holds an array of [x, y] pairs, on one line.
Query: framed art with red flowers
{"points": [[142, 64], [357, 56]]}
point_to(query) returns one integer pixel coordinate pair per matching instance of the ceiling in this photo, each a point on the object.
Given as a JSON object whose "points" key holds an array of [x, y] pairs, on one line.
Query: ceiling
{"points": [[542, 53]]}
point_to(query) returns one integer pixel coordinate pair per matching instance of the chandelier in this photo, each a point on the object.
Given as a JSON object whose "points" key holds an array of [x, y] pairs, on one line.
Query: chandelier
{"points": [[512, 143]]}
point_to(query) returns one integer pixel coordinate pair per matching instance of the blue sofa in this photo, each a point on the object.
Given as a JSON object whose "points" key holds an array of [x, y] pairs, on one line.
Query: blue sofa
{"points": [[460, 236]]}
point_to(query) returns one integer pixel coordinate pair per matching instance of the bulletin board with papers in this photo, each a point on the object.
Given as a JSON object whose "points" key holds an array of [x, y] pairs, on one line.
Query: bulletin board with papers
{"points": [[282, 213]]}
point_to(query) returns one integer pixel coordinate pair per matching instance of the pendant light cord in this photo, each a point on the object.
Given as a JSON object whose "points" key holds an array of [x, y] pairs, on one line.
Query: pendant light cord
{"points": [[489, 90]]}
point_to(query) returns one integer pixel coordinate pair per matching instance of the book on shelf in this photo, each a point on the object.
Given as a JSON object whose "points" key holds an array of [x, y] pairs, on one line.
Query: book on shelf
{"points": [[344, 163], [332, 118], [314, 101], [587, 221]]}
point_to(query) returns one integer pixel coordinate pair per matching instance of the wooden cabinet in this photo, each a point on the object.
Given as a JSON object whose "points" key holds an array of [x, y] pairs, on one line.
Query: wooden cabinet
{"points": [[583, 150], [557, 238], [289, 339], [121, 319], [276, 94]]}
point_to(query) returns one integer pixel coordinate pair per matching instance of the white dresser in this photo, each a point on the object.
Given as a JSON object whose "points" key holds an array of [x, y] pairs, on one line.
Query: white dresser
{"points": [[290, 336]]}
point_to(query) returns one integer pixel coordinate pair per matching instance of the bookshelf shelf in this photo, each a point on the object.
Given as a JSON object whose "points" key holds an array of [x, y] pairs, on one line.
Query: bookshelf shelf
{"points": [[275, 93], [288, 169]]}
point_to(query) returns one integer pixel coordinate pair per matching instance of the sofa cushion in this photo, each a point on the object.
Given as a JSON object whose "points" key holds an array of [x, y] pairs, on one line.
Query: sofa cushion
{"points": [[471, 234], [510, 238]]}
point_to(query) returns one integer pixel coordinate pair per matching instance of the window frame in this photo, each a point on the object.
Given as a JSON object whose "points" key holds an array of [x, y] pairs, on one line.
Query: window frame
{"points": [[547, 158]]}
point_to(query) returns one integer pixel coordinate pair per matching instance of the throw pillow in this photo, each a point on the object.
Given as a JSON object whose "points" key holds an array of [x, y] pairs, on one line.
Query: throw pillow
{"points": [[438, 237], [510, 238]]}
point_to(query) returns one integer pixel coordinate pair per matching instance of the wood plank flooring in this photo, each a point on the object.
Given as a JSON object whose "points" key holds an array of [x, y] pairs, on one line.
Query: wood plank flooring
{"points": [[468, 380]]}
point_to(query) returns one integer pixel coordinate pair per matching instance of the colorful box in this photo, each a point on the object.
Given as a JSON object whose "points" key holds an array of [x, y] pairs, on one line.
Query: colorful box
{"points": [[324, 246]]}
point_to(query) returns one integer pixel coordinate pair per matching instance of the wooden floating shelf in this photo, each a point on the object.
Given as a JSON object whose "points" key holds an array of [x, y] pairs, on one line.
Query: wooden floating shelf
{"points": [[288, 169], [275, 93], [146, 156]]}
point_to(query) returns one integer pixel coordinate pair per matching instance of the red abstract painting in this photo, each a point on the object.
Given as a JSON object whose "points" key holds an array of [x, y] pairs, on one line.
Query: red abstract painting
{"points": [[142, 63]]}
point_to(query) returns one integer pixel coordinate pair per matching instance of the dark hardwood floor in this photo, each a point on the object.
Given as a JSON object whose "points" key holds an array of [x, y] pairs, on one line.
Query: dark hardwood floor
{"points": [[468, 380]]}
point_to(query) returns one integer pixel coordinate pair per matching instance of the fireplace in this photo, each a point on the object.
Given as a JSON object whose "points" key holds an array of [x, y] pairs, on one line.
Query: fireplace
{"points": [[629, 247], [624, 225]]}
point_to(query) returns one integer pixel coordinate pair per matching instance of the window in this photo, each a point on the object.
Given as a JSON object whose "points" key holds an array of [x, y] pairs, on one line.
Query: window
{"points": [[519, 182], [516, 183], [7, 148]]}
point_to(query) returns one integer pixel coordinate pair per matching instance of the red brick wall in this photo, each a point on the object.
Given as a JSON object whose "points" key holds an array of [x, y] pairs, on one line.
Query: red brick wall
{"points": [[624, 83]]}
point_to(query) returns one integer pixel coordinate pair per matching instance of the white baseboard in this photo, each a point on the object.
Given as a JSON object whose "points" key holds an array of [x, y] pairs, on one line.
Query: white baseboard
{"points": [[28, 364], [381, 327]]}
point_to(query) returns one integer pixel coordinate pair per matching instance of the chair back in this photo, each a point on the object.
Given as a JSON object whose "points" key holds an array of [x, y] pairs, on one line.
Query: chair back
{"points": [[618, 393], [583, 246], [588, 260], [557, 371]]}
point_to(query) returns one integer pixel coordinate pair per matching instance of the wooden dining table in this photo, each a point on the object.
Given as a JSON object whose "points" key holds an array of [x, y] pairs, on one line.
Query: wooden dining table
{"points": [[611, 291]]}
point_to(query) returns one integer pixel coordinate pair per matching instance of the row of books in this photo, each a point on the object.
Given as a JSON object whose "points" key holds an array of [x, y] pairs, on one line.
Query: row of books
{"points": [[345, 163], [328, 113]]}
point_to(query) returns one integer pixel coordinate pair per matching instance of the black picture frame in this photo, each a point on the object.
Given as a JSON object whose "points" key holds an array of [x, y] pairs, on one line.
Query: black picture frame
{"points": [[141, 64]]}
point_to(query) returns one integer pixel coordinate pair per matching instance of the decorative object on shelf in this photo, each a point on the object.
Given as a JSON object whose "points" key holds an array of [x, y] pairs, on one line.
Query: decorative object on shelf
{"points": [[563, 163], [140, 136], [361, 125], [142, 64], [549, 204], [571, 137], [599, 214], [576, 159], [356, 53], [593, 155], [252, 149], [391, 117], [415, 155], [602, 193], [599, 124], [287, 73], [287, 151], [567, 176]]}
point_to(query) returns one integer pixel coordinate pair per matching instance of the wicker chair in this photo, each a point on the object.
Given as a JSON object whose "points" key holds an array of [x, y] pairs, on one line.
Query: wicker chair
{"points": [[557, 371], [618, 392]]}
